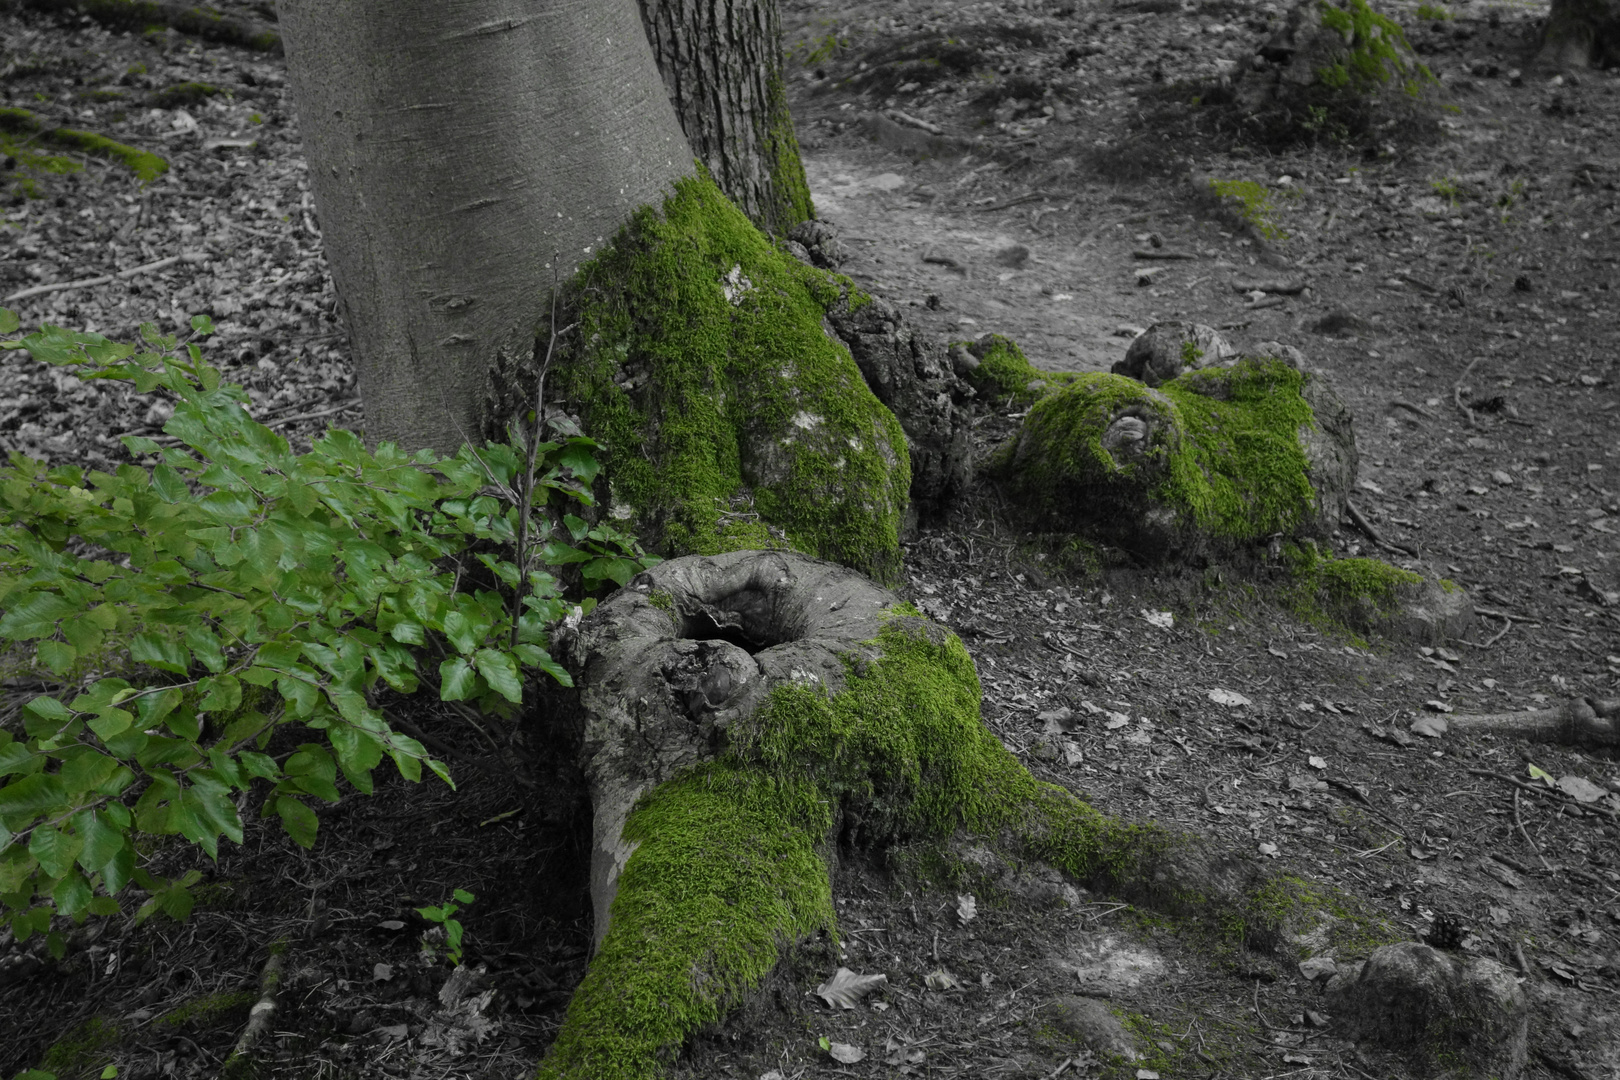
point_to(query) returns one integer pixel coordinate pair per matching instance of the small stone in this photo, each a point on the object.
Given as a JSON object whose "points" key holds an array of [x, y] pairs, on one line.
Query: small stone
{"points": [[1014, 256]]}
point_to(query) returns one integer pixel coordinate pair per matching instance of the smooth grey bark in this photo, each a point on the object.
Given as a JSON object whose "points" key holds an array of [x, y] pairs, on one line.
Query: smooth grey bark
{"points": [[1581, 34], [722, 66], [462, 157]]}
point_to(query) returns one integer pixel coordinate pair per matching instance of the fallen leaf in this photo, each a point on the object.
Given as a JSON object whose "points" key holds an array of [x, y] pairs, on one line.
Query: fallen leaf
{"points": [[1229, 698], [1419, 853], [394, 1031], [1580, 789], [967, 908], [1117, 720], [1164, 620], [382, 972], [1434, 705], [1542, 775], [1058, 719], [941, 979], [1146, 1074], [1269, 850], [1316, 762], [845, 1053], [391, 924], [1431, 726], [846, 988]]}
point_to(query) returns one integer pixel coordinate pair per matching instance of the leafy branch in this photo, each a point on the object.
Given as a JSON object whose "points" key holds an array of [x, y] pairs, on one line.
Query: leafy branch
{"points": [[175, 617]]}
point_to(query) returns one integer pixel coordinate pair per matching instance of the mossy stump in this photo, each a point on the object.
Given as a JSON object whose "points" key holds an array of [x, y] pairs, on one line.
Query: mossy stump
{"points": [[1214, 458], [745, 720]]}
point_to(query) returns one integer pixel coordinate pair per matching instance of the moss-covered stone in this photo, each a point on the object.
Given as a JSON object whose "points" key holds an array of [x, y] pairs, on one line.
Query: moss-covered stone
{"points": [[1377, 52], [1371, 596], [999, 369], [1215, 457], [731, 418]]}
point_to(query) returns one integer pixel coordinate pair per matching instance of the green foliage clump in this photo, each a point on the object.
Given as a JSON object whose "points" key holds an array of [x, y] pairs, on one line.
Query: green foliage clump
{"points": [[1434, 13], [1221, 456], [732, 420], [1250, 203], [177, 615]]}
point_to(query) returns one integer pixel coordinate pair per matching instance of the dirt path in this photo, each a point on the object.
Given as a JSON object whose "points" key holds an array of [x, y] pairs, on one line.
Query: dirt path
{"points": [[1469, 279]]}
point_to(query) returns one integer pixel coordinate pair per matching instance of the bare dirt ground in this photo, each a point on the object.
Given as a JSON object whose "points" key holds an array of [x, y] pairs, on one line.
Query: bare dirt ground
{"points": [[1468, 275]]}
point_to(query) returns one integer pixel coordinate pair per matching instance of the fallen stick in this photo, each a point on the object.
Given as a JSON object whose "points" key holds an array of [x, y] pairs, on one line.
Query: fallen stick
{"points": [[59, 286], [264, 1010]]}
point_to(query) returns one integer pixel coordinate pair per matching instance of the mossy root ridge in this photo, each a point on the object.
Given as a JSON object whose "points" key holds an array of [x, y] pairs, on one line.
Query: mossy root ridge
{"points": [[1219, 459], [733, 862], [146, 166], [733, 420]]}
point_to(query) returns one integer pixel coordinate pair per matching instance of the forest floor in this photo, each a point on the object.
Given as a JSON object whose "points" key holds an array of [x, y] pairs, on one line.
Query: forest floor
{"points": [[1458, 291]]}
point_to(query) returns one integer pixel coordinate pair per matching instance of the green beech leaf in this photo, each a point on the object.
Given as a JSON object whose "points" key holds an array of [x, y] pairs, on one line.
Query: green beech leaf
{"points": [[101, 840], [461, 632], [161, 653], [221, 693], [169, 484], [118, 870], [299, 821], [34, 615], [72, 894], [205, 646], [457, 682], [501, 672], [57, 656], [54, 849], [32, 794]]}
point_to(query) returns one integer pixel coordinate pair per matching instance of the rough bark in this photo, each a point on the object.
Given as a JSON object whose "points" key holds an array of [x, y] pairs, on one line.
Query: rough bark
{"points": [[462, 157], [1581, 34], [722, 66]]}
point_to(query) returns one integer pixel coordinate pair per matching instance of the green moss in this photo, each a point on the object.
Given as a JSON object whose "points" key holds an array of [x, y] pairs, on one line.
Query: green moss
{"points": [[732, 420], [1286, 908], [1222, 457], [662, 599], [185, 93], [146, 167], [1361, 593], [1251, 203], [1379, 51], [729, 868], [84, 1051], [1005, 372], [210, 1009]]}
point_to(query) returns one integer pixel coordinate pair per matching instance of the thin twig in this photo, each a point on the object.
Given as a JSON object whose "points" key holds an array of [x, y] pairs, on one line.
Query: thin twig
{"points": [[59, 286], [1456, 392], [532, 464], [1360, 522], [1519, 821]]}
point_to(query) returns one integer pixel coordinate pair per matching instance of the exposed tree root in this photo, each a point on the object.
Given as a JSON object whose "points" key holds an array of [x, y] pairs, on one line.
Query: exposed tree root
{"points": [[1582, 722], [240, 1061]]}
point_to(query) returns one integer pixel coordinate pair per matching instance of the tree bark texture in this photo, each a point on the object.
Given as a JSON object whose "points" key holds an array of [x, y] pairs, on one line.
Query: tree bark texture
{"points": [[722, 66], [1581, 34], [463, 157]]}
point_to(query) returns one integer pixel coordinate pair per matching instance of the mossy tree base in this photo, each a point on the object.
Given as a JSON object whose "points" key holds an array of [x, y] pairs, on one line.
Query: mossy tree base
{"points": [[745, 717], [731, 417]]}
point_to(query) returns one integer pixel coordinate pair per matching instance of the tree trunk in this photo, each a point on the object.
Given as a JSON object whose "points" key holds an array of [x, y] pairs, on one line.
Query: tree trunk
{"points": [[462, 157], [722, 65], [1581, 34]]}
